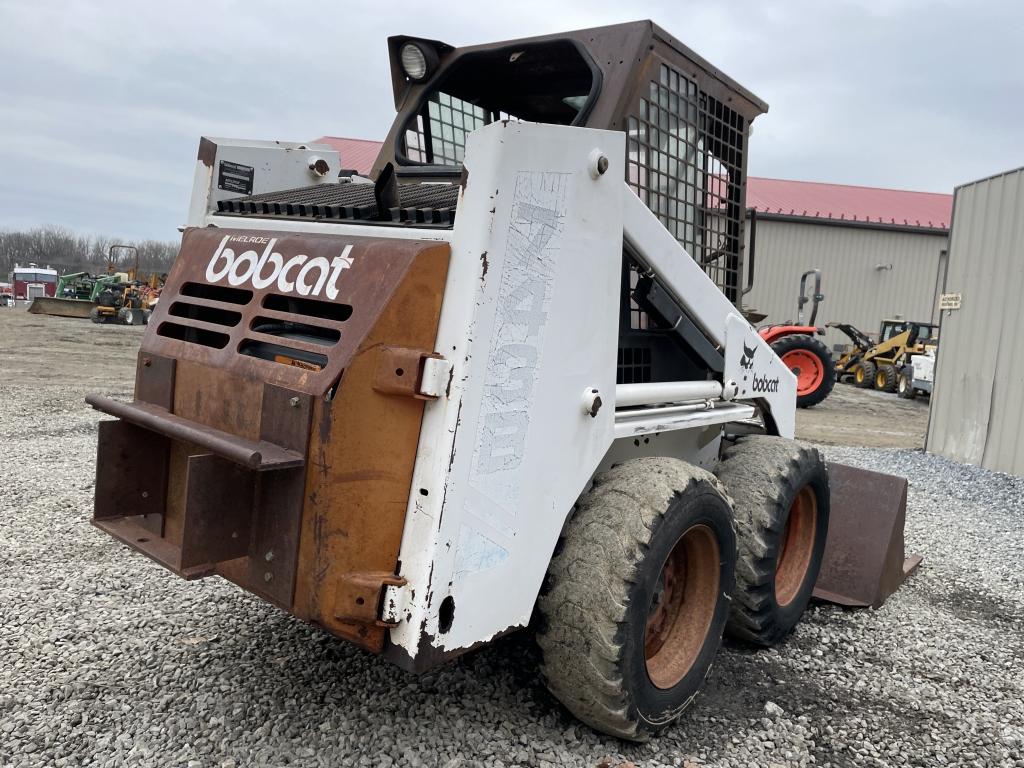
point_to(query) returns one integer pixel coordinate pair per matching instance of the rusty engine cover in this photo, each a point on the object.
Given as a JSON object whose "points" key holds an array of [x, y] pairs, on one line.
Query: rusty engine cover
{"points": [[276, 417]]}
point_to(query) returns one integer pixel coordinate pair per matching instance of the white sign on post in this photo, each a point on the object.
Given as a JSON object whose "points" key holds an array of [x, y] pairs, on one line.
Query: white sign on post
{"points": [[949, 301]]}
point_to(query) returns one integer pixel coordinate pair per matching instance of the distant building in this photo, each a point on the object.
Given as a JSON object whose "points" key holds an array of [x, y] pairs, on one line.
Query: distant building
{"points": [[977, 412], [32, 280], [881, 252]]}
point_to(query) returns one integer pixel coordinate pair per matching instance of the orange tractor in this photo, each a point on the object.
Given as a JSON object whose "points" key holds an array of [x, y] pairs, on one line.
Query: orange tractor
{"points": [[807, 357]]}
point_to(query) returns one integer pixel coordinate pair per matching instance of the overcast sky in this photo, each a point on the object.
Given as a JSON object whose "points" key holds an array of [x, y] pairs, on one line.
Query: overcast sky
{"points": [[102, 103]]}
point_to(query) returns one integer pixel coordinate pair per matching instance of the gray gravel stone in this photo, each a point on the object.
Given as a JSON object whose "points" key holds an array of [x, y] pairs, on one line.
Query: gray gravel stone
{"points": [[108, 660]]}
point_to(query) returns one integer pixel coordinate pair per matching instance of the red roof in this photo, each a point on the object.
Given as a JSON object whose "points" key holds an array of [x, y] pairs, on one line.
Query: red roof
{"points": [[811, 199], [356, 154], [846, 203]]}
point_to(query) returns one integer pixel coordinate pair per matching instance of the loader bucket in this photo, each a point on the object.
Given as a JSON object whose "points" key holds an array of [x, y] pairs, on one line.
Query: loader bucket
{"points": [[49, 305], [864, 560]]}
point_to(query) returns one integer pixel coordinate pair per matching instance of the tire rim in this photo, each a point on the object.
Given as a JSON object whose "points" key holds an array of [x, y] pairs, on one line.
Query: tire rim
{"points": [[858, 375], [797, 546], [881, 380], [682, 607], [807, 368]]}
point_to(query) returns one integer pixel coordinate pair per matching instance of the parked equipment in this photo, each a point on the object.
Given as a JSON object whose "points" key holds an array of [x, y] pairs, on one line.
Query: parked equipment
{"points": [[76, 295], [918, 376], [127, 304], [869, 364], [794, 343], [493, 382]]}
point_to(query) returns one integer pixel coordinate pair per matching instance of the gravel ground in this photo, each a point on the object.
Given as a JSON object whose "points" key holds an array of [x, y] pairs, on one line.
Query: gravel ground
{"points": [[107, 660]]}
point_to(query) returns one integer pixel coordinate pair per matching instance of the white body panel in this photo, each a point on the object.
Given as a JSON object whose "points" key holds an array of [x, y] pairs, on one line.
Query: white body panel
{"points": [[537, 239], [923, 371], [924, 367]]}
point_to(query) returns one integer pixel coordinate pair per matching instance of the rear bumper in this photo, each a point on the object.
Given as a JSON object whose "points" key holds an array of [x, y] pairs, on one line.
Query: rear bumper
{"points": [[197, 499]]}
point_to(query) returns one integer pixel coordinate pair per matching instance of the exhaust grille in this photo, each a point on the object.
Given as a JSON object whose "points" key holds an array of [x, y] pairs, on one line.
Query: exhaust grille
{"points": [[425, 204], [290, 330]]}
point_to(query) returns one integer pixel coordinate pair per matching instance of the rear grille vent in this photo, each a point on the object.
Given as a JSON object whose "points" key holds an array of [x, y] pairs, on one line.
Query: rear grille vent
{"points": [[289, 330], [424, 204], [205, 314], [216, 293], [312, 334], [276, 353], [193, 335], [308, 307]]}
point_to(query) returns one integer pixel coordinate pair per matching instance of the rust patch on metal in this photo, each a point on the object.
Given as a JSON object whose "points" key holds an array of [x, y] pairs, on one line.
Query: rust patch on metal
{"points": [[219, 498], [429, 655], [864, 560], [154, 380], [131, 474], [400, 371], [212, 313], [207, 152], [361, 457]]}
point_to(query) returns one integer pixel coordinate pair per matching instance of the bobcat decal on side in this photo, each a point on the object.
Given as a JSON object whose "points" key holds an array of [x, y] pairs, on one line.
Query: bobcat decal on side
{"points": [[747, 361]]}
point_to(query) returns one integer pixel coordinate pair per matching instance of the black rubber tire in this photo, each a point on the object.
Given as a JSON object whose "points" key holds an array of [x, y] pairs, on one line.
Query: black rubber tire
{"points": [[887, 373], [601, 582], [904, 384], [819, 350], [763, 475], [869, 374], [95, 316]]}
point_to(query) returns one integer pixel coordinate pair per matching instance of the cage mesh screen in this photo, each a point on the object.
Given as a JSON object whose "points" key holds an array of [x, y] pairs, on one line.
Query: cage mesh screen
{"points": [[685, 161], [441, 138]]}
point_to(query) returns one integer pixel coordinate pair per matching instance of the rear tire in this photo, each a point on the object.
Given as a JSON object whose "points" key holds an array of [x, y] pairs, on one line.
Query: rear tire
{"points": [[905, 384], [885, 378], [780, 496], [811, 363], [864, 374], [637, 599]]}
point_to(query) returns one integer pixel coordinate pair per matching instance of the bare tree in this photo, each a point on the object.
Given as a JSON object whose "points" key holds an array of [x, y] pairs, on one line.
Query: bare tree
{"points": [[66, 251]]}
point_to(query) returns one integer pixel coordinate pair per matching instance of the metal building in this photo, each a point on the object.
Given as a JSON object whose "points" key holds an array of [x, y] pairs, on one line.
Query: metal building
{"points": [[977, 411], [880, 251]]}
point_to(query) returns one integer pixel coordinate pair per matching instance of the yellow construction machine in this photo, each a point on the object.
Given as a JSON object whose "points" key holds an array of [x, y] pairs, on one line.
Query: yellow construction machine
{"points": [[877, 364]]}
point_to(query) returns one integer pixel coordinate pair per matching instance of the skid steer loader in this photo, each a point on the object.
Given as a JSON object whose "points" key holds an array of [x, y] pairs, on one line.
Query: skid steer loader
{"points": [[507, 379], [869, 364]]}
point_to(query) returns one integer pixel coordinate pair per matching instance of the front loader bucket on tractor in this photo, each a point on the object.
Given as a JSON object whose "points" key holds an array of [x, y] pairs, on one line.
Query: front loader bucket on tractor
{"points": [[49, 305], [864, 560]]}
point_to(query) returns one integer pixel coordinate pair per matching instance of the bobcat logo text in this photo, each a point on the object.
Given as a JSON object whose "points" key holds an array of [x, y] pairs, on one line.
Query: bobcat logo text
{"points": [[299, 274]]}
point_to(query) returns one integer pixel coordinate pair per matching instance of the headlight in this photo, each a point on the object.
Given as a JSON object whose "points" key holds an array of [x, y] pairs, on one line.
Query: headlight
{"points": [[418, 62]]}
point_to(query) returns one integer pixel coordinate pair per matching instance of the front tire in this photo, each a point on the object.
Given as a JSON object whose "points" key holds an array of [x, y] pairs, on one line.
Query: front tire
{"points": [[864, 374], [636, 600], [780, 496], [811, 363], [905, 384], [885, 378]]}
